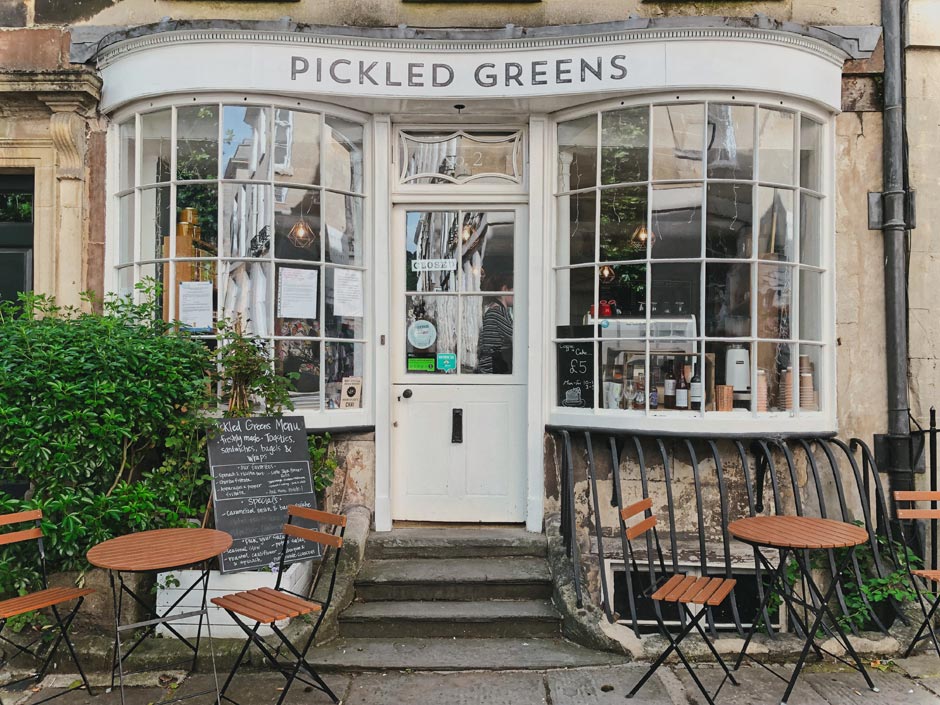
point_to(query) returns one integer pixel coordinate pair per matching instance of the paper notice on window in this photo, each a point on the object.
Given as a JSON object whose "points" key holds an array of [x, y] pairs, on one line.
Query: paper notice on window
{"points": [[347, 293], [297, 293], [195, 306]]}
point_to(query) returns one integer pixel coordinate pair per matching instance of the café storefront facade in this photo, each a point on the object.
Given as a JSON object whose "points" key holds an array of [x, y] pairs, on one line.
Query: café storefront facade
{"points": [[456, 242]]}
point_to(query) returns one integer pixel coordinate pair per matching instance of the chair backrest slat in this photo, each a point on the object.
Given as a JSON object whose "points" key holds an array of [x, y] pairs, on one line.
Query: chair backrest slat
{"points": [[20, 517], [311, 535], [916, 496], [316, 515], [17, 536], [636, 508], [918, 513], [641, 528]]}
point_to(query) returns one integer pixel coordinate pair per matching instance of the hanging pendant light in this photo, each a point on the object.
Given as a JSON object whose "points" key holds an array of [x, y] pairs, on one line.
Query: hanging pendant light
{"points": [[640, 235], [301, 235], [606, 274]]}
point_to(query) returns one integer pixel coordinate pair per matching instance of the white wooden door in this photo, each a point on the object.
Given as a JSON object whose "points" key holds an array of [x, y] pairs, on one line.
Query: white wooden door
{"points": [[459, 364]]}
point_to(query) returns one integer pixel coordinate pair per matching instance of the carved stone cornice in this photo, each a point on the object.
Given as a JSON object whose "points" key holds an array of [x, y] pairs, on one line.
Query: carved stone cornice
{"points": [[81, 86]]}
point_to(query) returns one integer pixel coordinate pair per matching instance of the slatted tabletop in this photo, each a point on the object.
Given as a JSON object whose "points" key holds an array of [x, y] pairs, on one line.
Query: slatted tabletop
{"points": [[797, 532], [160, 549]]}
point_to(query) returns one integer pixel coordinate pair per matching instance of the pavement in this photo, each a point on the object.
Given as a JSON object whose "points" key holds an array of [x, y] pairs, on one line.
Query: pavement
{"points": [[913, 681]]}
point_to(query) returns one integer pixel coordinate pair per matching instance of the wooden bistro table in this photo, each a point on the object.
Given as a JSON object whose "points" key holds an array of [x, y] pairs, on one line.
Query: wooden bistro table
{"points": [[152, 551], [796, 536]]}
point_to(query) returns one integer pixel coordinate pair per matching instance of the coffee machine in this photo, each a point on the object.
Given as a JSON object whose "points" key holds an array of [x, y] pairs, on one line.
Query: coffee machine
{"points": [[738, 374]]}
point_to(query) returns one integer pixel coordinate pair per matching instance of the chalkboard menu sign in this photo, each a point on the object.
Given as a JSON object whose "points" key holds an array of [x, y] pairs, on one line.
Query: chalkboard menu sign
{"points": [[576, 374], [259, 467]]}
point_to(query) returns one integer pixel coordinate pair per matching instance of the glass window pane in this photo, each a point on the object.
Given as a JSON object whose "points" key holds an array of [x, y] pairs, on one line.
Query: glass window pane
{"points": [[811, 305], [623, 371], [197, 142], [297, 223], [624, 145], [575, 374], [810, 154], [810, 384], [574, 302], [730, 141], [192, 271], [487, 334], [301, 357], [345, 303], [623, 223], [675, 296], [245, 142], [774, 377], [677, 221], [344, 240], [728, 231], [775, 137], [127, 154], [487, 250], [810, 231], [775, 224], [677, 141], [774, 299], [343, 167], [246, 231], [297, 297], [160, 273], [155, 226], [622, 289], [577, 153], [431, 250], [457, 157], [577, 220], [727, 300], [125, 281], [155, 146], [728, 376], [126, 229], [246, 295], [296, 146], [197, 205], [430, 331], [342, 360]]}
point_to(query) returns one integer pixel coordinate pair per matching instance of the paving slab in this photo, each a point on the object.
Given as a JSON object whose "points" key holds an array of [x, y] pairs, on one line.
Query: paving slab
{"points": [[757, 685], [467, 688], [457, 654], [847, 687], [925, 665], [597, 686], [133, 696], [252, 687]]}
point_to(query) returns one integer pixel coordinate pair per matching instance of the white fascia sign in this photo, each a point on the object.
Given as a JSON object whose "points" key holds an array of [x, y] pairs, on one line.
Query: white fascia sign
{"points": [[616, 63]]}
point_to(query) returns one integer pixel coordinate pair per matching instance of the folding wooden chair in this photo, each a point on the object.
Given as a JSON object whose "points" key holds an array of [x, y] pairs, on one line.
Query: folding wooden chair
{"points": [[47, 597], [267, 605], [911, 498], [677, 589]]}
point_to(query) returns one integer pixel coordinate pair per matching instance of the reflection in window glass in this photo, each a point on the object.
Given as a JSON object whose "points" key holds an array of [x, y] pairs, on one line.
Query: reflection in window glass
{"points": [[245, 142], [431, 250], [155, 145], [431, 330], [341, 360], [459, 157], [297, 224], [245, 230], [197, 220], [344, 155], [689, 270], [126, 232], [197, 142], [343, 314], [344, 240], [300, 358], [296, 146], [127, 157]]}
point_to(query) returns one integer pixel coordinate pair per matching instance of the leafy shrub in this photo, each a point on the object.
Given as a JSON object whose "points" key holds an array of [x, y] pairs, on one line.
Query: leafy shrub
{"points": [[104, 414]]}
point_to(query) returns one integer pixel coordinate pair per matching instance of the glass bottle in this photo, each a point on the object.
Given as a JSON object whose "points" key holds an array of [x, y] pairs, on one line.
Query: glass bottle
{"points": [[682, 391], [696, 389], [669, 395], [639, 399]]}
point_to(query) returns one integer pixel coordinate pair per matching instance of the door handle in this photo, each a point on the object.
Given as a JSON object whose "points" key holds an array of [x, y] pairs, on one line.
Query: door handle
{"points": [[456, 426], [406, 394]]}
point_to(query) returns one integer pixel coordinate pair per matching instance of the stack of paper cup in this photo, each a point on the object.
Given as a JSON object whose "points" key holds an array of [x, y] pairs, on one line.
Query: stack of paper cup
{"points": [[807, 393], [761, 390], [786, 382]]}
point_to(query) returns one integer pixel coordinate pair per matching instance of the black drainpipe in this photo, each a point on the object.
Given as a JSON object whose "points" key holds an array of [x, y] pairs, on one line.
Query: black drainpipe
{"points": [[895, 448]]}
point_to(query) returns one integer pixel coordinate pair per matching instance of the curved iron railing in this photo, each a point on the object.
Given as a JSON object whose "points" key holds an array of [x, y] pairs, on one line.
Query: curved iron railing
{"points": [[846, 470]]}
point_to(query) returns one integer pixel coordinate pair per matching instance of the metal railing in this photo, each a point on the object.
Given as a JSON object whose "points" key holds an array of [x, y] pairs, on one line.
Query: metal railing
{"points": [[815, 476]]}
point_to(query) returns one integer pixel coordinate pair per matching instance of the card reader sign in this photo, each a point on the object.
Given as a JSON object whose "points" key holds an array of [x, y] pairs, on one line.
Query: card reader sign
{"points": [[446, 362], [434, 265]]}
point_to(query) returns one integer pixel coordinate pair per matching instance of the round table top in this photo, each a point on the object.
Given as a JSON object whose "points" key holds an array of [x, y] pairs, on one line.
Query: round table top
{"points": [[778, 531], [159, 549]]}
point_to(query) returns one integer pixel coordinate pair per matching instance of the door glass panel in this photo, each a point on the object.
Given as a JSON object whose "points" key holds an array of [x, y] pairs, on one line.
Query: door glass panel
{"points": [[431, 250], [486, 243], [431, 334], [487, 334]]}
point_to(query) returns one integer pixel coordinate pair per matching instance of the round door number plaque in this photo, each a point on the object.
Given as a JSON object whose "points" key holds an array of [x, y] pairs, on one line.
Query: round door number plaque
{"points": [[422, 334]]}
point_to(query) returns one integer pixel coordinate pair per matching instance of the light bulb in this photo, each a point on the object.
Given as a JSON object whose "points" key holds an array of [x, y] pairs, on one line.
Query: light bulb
{"points": [[606, 274], [301, 235]]}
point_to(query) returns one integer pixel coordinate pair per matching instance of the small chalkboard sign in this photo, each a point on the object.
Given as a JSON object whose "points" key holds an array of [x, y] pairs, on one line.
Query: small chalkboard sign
{"points": [[576, 374], [259, 467]]}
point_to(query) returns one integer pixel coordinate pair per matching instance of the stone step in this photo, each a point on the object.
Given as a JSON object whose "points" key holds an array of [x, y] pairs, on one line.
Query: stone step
{"points": [[492, 618], [456, 655], [474, 542], [522, 578]]}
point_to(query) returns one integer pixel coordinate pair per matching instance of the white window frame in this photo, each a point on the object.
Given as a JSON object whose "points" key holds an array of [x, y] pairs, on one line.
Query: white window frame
{"points": [[823, 421], [323, 418]]}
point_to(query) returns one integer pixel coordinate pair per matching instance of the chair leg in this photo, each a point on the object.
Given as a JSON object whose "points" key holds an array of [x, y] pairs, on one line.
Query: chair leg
{"points": [[238, 661], [64, 629], [302, 661], [673, 646], [711, 647], [927, 623]]}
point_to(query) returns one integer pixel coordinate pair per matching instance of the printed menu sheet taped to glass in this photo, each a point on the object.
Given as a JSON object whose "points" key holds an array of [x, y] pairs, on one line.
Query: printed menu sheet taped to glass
{"points": [[297, 293], [260, 466]]}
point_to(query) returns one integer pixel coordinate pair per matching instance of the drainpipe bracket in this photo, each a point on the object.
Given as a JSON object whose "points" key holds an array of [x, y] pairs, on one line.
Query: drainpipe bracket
{"points": [[901, 454], [878, 204]]}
